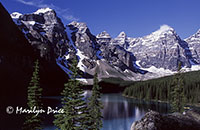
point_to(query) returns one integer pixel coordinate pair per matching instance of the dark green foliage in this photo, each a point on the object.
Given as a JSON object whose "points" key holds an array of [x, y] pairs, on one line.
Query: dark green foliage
{"points": [[33, 122], [118, 81], [176, 93], [95, 106], [76, 116], [159, 89]]}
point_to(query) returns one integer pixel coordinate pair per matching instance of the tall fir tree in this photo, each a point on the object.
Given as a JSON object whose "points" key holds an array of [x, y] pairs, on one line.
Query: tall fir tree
{"points": [[75, 116], [32, 121], [177, 94], [95, 106]]}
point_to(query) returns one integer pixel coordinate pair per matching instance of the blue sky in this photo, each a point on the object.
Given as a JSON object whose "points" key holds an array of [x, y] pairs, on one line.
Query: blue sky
{"points": [[135, 17]]}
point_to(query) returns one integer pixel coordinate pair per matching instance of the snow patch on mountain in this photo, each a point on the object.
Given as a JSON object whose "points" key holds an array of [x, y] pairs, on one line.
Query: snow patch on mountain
{"points": [[103, 34], [82, 80], [80, 65], [15, 15], [98, 62], [137, 63], [193, 68], [31, 22], [43, 10], [66, 57], [160, 71], [122, 35], [126, 71], [164, 29], [81, 27], [107, 73]]}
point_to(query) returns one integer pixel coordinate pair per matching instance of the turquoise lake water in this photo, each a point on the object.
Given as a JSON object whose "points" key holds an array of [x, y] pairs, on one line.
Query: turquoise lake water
{"points": [[119, 112]]}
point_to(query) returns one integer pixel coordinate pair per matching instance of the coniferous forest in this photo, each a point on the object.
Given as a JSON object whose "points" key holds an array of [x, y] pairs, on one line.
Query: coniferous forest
{"points": [[159, 89]]}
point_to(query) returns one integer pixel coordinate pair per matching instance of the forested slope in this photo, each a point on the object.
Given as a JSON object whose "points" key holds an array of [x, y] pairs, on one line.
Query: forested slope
{"points": [[159, 89]]}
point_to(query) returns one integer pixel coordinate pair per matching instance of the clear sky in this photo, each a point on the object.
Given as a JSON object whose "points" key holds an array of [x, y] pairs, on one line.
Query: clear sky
{"points": [[135, 17]]}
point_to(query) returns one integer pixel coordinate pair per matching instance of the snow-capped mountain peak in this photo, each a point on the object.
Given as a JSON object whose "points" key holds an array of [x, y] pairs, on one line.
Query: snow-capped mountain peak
{"points": [[82, 27], [103, 34], [74, 23], [197, 34], [121, 40], [165, 27], [15, 15], [194, 36], [194, 45], [122, 35], [43, 10], [163, 30]]}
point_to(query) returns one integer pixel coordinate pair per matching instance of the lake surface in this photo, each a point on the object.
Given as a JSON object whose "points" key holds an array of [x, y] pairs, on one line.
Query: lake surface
{"points": [[119, 112]]}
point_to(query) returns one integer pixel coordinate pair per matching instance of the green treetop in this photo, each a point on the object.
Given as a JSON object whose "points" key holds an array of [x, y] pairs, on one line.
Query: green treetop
{"points": [[76, 116], [177, 93], [32, 121], [95, 106]]}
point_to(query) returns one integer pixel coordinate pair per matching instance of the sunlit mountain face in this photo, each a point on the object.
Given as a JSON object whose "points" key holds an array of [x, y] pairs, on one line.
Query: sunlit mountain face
{"points": [[154, 55]]}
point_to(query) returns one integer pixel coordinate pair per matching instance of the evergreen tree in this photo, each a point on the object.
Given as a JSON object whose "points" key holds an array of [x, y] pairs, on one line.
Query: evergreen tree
{"points": [[177, 93], [76, 116], [162, 88], [33, 122], [95, 106]]}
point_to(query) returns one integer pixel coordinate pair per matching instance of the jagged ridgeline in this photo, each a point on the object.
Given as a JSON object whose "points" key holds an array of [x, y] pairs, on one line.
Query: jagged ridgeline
{"points": [[159, 89], [131, 59]]}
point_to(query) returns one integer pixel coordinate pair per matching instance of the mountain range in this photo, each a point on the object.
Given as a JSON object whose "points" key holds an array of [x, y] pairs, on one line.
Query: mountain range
{"points": [[151, 56]]}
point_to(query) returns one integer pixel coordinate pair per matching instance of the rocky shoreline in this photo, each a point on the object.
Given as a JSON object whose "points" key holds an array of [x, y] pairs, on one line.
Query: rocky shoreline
{"points": [[152, 120]]}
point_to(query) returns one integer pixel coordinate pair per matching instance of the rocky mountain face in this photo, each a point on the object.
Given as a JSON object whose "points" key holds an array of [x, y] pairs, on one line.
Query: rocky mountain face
{"points": [[45, 31], [46, 35], [161, 49], [151, 56], [97, 54], [194, 45]]}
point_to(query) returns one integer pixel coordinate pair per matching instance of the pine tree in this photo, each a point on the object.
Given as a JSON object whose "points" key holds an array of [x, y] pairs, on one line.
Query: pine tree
{"points": [[76, 116], [33, 122], [95, 106], [177, 93]]}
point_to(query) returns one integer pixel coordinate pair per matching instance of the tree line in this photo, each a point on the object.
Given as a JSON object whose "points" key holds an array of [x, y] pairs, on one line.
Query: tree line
{"points": [[163, 89]]}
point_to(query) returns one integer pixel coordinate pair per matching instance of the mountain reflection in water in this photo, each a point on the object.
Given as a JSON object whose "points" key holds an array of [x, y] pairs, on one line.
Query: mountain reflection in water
{"points": [[120, 112]]}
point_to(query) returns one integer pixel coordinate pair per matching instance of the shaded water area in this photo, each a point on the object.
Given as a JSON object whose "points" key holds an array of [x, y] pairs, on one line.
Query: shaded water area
{"points": [[119, 112]]}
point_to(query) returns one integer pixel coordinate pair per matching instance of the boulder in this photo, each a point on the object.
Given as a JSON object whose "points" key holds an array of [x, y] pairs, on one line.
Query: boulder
{"points": [[175, 121]]}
